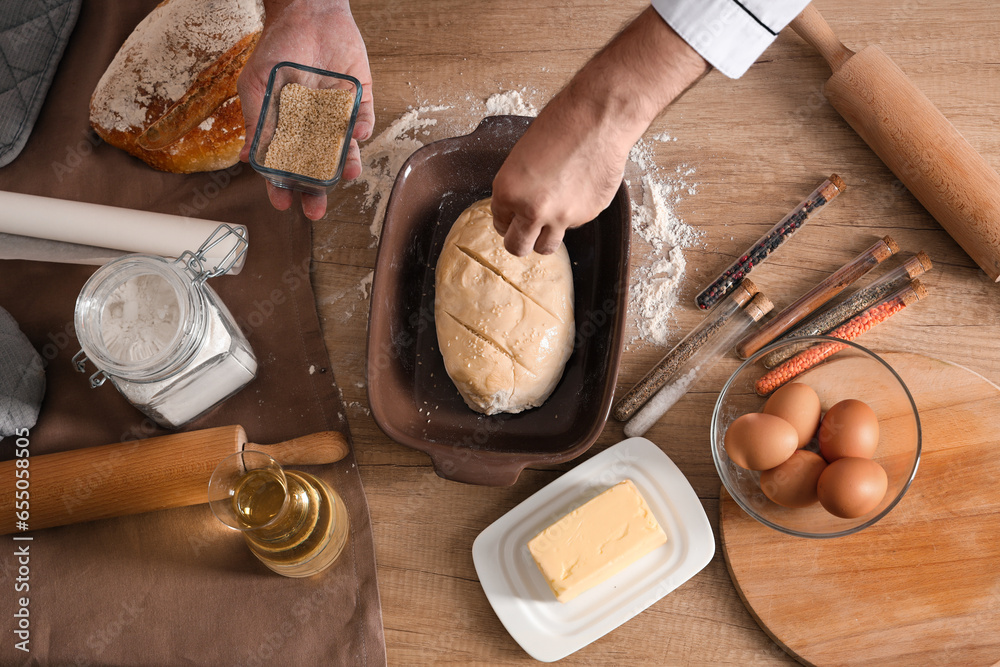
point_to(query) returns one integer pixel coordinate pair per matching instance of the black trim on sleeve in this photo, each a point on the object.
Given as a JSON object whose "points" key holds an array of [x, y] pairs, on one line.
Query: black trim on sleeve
{"points": [[762, 24]]}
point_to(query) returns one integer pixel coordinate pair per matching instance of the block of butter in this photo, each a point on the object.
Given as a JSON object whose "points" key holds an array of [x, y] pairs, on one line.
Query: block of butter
{"points": [[596, 541]]}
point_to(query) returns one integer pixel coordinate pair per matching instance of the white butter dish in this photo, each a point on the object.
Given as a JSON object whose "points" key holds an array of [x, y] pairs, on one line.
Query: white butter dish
{"points": [[549, 630]]}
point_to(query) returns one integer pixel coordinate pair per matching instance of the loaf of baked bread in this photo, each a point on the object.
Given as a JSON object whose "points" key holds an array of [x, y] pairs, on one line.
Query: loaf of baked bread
{"points": [[169, 96], [504, 323]]}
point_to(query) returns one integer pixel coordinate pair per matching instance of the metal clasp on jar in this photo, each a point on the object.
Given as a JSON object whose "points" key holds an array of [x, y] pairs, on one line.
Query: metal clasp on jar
{"points": [[194, 262], [80, 364]]}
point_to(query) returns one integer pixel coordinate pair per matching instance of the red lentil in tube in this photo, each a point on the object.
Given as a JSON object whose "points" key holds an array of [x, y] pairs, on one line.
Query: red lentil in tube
{"points": [[862, 299], [849, 330]]}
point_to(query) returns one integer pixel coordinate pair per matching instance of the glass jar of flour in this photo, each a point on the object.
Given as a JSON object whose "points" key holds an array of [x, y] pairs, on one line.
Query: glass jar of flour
{"points": [[161, 335]]}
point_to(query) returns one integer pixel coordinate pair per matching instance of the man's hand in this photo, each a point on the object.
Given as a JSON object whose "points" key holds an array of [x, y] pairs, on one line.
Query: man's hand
{"points": [[569, 163], [561, 174], [318, 33]]}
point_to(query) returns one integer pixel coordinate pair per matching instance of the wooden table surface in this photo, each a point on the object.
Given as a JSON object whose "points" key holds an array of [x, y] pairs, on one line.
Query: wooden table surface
{"points": [[758, 145]]}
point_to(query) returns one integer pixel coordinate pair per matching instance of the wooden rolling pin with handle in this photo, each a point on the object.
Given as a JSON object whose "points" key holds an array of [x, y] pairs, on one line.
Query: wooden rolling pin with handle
{"points": [[140, 476], [925, 151]]}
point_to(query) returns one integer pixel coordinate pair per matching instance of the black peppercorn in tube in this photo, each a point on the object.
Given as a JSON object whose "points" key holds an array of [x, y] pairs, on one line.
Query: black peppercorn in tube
{"points": [[770, 242]]}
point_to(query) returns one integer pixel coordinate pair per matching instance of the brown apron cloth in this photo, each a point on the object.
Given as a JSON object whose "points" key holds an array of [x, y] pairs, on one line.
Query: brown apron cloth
{"points": [[175, 586]]}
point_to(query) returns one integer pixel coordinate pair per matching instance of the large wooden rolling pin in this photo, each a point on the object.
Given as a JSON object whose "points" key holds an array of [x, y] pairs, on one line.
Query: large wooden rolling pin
{"points": [[142, 475], [925, 151]]}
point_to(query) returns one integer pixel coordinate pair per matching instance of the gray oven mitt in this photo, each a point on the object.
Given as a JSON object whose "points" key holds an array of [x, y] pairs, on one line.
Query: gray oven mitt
{"points": [[22, 378], [33, 35]]}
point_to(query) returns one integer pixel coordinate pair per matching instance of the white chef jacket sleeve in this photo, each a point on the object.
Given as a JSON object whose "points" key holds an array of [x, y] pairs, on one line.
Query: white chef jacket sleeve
{"points": [[729, 34]]}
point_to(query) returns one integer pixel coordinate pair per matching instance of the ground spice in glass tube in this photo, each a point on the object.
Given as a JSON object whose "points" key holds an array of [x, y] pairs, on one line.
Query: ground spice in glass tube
{"points": [[681, 352], [770, 242], [849, 330], [854, 304], [691, 370], [809, 302]]}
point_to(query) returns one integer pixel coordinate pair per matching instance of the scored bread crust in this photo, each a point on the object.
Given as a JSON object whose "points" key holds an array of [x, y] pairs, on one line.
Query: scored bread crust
{"points": [[158, 67], [504, 324]]}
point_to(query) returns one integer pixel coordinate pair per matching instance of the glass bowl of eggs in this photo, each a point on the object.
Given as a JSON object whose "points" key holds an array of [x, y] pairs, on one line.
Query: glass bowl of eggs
{"points": [[816, 437]]}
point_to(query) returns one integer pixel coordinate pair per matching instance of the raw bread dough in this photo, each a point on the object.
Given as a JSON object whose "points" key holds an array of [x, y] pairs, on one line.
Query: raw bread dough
{"points": [[504, 323]]}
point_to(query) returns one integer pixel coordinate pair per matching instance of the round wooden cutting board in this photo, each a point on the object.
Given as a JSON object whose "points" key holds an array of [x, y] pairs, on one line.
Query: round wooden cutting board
{"points": [[922, 586]]}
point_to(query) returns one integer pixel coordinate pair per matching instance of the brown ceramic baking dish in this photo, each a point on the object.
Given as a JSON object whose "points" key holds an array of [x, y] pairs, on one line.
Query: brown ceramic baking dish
{"points": [[411, 396]]}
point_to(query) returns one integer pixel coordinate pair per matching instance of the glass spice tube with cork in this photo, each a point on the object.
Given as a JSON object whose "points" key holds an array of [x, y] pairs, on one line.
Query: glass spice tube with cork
{"points": [[861, 299], [645, 388], [687, 373], [849, 330], [826, 290], [770, 241]]}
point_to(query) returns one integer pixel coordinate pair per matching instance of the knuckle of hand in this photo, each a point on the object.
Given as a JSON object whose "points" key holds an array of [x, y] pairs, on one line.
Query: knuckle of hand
{"points": [[535, 211]]}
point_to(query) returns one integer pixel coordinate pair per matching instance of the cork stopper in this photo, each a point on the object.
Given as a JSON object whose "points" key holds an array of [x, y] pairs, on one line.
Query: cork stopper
{"points": [[919, 291], [911, 292], [925, 261], [743, 292], [750, 286], [917, 265], [832, 187], [758, 307], [893, 246]]}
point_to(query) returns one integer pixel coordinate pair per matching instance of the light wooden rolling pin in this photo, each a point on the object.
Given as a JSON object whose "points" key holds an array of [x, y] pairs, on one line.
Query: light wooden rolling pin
{"points": [[904, 128], [142, 475]]}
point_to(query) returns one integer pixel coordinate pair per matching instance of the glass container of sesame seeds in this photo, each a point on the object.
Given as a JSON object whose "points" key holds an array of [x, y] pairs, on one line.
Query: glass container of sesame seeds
{"points": [[305, 127], [162, 335]]}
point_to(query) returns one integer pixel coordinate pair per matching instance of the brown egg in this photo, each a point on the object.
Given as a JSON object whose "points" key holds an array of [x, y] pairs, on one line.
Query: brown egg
{"points": [[798, 405], [851, 487], [758, 442], [849, 428], [793, 483]]}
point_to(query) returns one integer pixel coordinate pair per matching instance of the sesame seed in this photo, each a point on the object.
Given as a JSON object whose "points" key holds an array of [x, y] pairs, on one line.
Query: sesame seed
{"points": [[312, 128]]}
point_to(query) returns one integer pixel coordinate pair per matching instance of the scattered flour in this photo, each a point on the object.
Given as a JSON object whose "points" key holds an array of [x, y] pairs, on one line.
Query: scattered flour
{"points": [[359, 406], [344, 311], [365, 286], [509, 103], [655, 220], [386, 153], [655, 287]]}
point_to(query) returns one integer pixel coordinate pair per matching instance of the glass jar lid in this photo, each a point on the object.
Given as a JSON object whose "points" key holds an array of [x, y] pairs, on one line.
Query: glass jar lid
{"points": [[136, 315]]}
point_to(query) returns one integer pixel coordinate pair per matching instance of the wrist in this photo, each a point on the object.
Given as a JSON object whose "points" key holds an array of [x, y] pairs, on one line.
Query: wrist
{"points": [[638, 74]]}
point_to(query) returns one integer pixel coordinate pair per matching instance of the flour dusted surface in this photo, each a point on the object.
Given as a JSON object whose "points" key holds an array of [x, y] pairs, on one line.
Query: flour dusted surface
{"points": [[655, 288], [509, 103], [384, 155]]}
